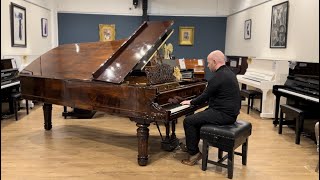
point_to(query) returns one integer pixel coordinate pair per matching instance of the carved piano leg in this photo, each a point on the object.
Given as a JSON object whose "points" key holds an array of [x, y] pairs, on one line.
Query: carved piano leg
{"points": [[47, 113], [143, 135], [170, 142], [174, 139], [276, 112]]}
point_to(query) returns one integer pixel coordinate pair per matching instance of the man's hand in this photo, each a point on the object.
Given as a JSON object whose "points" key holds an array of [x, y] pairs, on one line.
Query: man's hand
{"points": [[187, 102]]}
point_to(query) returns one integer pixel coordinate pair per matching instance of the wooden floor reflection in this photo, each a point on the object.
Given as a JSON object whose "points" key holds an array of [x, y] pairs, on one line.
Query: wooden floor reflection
{"points": [[105, 147]]}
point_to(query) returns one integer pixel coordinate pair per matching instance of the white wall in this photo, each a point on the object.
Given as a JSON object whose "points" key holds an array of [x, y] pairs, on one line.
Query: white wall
{"points": [[36, 44], [213, 8], [302, 38], [155, 7], [239, 5], [303, 26]]}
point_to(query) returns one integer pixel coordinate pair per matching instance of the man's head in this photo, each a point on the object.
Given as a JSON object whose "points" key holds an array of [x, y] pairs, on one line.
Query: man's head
{"points": [[215, 60]]}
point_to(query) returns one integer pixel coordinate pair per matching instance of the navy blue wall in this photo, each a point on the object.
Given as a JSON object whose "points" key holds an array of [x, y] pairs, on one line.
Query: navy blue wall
{"points": [[210, 32]]}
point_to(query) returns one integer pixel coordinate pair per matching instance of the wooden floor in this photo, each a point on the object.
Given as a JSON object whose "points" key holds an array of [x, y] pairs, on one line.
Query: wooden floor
{"points": [[105, 147]]}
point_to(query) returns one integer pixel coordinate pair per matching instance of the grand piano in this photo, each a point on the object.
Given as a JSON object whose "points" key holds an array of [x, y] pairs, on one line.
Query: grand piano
{"points": [[119, 77], [301, 87]]}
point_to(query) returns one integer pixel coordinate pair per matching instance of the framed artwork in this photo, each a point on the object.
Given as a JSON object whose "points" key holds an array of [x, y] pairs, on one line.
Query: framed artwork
{"points": [[247, 29], [107, 32], [279, 25], [18, 25], [186, 36], [44, 27]]}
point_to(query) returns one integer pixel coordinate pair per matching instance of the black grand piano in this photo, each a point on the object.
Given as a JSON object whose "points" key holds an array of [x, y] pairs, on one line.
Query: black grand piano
{"points": [[301, 87], [9, 82], [119, 77]]}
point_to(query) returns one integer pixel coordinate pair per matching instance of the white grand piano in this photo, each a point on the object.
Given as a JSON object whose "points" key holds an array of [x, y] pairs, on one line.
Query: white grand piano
{"points": [[261, 75]]}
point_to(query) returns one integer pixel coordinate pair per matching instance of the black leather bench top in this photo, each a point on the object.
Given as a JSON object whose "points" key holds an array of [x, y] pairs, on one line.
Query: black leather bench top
{"points": [[231, 131], [246, 92]]}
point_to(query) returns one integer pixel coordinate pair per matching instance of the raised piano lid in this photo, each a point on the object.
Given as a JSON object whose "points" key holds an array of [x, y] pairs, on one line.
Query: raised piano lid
{"points": [[95, 60], [135, 53], [72, 61]]}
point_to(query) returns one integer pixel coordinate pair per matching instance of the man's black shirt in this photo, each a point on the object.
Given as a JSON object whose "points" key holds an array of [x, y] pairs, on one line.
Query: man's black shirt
{"points": [[222, 92]]}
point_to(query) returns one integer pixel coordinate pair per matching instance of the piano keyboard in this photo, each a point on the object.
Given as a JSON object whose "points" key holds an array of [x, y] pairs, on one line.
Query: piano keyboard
{"points": [[253, 78], [9, 84], [179, 108], [299, 95]]}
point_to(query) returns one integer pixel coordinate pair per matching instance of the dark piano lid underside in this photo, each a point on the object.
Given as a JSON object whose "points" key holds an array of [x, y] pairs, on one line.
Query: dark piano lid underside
{"points": [[135, 52]]}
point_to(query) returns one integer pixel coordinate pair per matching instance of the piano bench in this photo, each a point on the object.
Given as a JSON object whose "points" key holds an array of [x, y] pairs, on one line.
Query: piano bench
{"points": [[226, 138], [299, 114], [16, 97], [251, 95]]}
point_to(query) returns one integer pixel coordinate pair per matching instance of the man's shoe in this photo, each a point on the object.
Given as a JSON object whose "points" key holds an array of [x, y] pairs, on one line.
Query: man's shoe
{"points": [[192, 159], [183, 147]]}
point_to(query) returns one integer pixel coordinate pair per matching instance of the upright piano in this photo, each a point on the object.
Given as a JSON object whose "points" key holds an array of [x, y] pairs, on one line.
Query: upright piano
{"points": [[262, 74], [120, 77], [9, 82], [301, 87], [237, 64]]}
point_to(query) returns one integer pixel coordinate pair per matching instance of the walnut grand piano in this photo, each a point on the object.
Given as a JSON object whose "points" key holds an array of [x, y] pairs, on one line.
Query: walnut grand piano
{"points": [[116, 77]]}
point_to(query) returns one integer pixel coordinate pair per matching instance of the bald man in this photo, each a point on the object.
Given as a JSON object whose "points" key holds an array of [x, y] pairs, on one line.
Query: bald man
{"points": [[223, 97]]}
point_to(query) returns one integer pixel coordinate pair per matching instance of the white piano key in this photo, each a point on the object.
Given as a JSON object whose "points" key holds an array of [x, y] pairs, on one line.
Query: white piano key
{"points": [[179, 108], [299, 95], [10, 84]]}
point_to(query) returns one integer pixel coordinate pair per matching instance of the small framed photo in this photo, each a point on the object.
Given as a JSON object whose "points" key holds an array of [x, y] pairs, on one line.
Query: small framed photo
{"points": [[279, 25], [186, 36], [107, 32], [44, 27], [18, 25], [247, 29]]}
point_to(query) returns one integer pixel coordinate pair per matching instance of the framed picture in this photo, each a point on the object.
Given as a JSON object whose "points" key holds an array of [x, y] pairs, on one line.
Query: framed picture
{"points": [[279, 25], [44, 27], [247, 29], [107, 32], [186, 36], [18, 25]]}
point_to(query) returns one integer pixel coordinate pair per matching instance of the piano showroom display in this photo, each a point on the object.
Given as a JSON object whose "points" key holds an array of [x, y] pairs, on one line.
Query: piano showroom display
{"points": [[119, 77]]}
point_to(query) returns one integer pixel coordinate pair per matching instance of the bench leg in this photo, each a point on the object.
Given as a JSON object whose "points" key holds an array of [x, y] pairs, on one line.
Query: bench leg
{"points": [[230, 164], [280, 122], [220, 154], [27, 106], [252, 101], [261, 104], [245, 152], [204, 155], [299, 128], [15, 108], [248, 105]]}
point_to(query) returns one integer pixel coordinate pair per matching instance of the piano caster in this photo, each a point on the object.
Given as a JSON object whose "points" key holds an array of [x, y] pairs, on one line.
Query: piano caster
{"points": [[170, 145], [275, 123], [142, 161], [47, 127]]}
